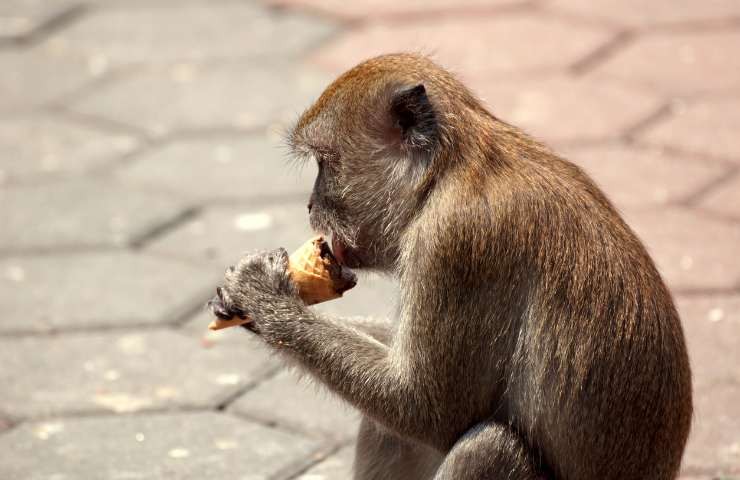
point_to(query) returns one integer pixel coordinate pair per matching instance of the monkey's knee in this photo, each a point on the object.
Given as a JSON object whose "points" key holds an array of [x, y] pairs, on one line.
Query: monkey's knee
{"points": [[488, 451]]}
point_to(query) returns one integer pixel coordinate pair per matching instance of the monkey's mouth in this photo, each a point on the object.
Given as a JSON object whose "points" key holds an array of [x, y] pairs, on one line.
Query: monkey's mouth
{"points": [[344, 254]]}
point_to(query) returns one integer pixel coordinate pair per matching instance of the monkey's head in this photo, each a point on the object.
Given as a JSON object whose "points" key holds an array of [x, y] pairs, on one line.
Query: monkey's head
{"points": [[375, 134]]}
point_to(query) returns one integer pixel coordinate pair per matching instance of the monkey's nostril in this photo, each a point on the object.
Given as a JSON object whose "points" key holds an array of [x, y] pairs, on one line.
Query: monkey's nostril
{"points": [[310, 205]]}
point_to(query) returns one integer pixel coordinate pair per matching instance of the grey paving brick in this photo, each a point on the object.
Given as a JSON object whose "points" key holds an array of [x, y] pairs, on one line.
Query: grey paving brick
{"points": [[692, 251], [635, 177], [36, 145], [245, 167], [183, 446], [300, 405], [221, 235], [80, 213], [335, 467], [21, 18], [38, 77], [190, 96], [122, 372], [72, 291], [194, 31]]}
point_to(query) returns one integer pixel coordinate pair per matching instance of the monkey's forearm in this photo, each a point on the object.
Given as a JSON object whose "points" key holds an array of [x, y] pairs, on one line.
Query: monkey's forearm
{"points": [[381, 329], [356, 366]]}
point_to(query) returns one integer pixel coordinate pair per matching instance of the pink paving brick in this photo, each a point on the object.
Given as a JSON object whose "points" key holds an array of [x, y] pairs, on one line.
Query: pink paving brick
{"points": [[692, 251], [710, 126], [712, 328], [678, 63], [724, 200], [394, 8], [477, 46], [635, 177], [561, 108], [641, 13]]}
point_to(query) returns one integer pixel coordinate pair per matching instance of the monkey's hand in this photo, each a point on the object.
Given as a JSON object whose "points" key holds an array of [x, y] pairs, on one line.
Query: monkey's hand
{"points": [[256, 288]]}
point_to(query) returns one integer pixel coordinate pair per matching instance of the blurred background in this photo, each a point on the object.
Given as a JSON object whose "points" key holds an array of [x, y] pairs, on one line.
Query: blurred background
{"points": [[140, 154]]}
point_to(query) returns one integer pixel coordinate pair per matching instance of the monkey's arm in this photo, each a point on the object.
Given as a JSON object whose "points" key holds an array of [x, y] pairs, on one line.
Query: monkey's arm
{"points": [[380, 381], [381, 329]]}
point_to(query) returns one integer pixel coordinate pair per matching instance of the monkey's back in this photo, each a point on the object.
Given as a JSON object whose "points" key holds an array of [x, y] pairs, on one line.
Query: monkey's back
{"points": [[600, 371]]}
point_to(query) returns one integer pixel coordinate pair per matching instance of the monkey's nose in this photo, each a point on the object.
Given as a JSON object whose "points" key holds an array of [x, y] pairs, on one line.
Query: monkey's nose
{"points": [[310, 205]]}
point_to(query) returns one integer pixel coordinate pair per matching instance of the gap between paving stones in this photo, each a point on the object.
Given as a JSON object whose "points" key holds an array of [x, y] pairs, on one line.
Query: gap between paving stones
{"points": [[602, 53], [62, 19]]}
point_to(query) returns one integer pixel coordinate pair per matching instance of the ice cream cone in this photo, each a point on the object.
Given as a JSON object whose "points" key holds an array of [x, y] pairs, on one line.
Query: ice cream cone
{"points": [[316, 273]]}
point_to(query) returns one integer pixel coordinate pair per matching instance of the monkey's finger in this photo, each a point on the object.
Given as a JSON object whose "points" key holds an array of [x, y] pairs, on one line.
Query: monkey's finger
{"points": [[218, 309]]}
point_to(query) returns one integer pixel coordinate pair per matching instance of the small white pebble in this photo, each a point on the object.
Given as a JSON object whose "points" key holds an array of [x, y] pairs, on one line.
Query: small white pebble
{"points": [[250, 222], [228, 379], [225, 444], [139, 437], [97, 64], [716, 314], [15, 273], [178, 453]]}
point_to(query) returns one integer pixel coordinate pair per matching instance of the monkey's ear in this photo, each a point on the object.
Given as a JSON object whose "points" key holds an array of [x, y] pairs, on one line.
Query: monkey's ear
{"points": [[413, 114]]}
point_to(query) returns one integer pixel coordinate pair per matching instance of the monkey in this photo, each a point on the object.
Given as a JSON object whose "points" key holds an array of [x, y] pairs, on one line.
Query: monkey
{"points": [[534, 336]]}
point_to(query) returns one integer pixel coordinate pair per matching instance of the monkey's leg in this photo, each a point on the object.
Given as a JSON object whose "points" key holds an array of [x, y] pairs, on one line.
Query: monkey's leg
{"points": [[489, 450], [380, 455]]}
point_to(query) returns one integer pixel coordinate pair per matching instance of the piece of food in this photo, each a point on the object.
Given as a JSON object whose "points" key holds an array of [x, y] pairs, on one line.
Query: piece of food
{"points": [[317, 274]]}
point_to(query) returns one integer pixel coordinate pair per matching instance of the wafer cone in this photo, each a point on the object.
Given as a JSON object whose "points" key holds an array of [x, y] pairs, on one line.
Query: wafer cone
{"points": [[316, 273]]}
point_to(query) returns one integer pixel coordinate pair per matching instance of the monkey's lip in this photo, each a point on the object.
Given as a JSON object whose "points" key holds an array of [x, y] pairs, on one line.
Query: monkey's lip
{"points": [[344, 254]]}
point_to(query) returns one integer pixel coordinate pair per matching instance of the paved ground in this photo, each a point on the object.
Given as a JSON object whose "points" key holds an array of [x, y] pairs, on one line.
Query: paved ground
{"points": [[139, 155]]}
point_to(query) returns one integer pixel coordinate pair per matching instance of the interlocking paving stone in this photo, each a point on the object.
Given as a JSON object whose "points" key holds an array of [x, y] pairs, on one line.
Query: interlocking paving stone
{"points": [[190, 96], [507, 48], [196, 445], [679, 63], [298, 404], [34, 145], [385, 8], [724, 199], [705, 127], [34, 78], [21, 18], [691, 250], [644, 14], [561, 109], [142, 33], [251, 166], [80, 213], [634, 177], [714, 445], [712, 329], [222, 235], [81, 290], [122, 372], [336, 467]]}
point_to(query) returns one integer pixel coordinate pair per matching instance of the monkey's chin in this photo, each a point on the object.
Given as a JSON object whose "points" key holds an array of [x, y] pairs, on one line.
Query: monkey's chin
{"points": [[345, 255]]}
